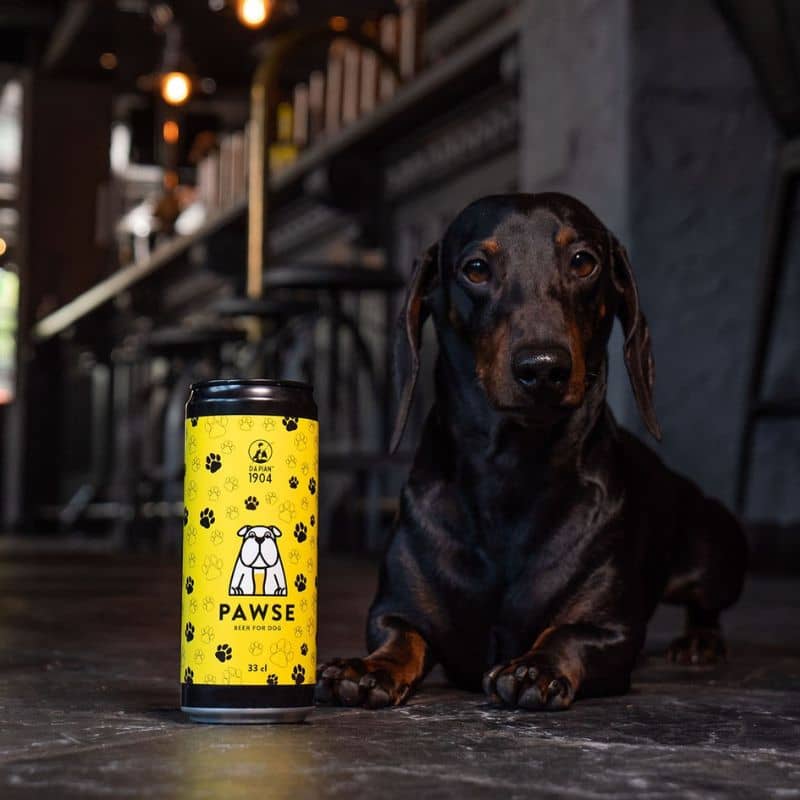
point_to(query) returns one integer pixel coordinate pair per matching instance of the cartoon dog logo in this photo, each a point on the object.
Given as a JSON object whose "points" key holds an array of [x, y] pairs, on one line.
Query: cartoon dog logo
{"points": [[258, 555]]}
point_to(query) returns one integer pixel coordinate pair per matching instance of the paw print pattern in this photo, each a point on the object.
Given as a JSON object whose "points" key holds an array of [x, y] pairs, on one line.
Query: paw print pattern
{"points": [[213, 462], [312, 521], [216, 427], [195, 464], [185, 516], [192, 559], [294, 556], [293, 482], [300, 441], [290, 423], [191, 535], [208, 604], [212, 567], [231, 512], [250, 503], [286, 511], [194, 422], [272, 679], [298, 631], [270, 498], [191, 490], [281, 652], [304, 649], [189, 631], [207, 518], [291, 462], [228, 447], [255, 648], [189, 585], [193, 606], [268, 425], [199, 657], [304, 503], [300, 582], [188, 675], [216, 537], [246, 424], [224, 653], [214, 493], [312, 486], [231, 484], [231, 674], [207, 634], [298, 674], [300, 532]]}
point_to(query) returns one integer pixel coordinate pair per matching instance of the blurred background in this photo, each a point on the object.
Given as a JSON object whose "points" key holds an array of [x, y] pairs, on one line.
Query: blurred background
{"points": [[134, 133]]}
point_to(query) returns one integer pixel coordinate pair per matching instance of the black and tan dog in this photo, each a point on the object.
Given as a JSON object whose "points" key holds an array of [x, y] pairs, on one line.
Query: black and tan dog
{"points": [[535, 537]]}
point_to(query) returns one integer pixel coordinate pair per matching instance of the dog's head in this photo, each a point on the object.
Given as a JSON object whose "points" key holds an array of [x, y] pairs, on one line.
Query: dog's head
{"points": [[525, 289], [259, 547], [259, 532]]}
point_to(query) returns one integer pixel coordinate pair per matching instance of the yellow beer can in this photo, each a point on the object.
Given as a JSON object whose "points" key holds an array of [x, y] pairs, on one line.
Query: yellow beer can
{"points": [[249, 584]]}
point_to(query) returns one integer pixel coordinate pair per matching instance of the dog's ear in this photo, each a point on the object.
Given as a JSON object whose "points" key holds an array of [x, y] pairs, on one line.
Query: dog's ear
{"points": [[408, 334], [637, 350], [275, 531], [243, 530]]}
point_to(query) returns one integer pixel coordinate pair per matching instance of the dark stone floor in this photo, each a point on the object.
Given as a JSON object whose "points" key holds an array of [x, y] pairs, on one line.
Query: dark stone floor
{"points": [[88, 695]]}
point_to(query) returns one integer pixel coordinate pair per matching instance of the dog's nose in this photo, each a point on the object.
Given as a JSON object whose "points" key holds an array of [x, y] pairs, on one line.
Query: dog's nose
{"points": [[542, 370]]}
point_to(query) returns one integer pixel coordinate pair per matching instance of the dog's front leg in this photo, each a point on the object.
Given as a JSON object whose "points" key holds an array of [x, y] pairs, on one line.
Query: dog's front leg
{"points": [[565, 660], [387, 676]]}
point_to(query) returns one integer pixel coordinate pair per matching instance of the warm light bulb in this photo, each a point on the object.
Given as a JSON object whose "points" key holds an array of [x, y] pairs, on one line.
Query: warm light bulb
{"points": [[171, 131], [3, 246], [176, 88], [253, 13]]}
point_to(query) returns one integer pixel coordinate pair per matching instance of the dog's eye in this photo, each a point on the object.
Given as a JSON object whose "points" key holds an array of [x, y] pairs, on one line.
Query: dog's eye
{"points": [[583, 263], [476, 270]]}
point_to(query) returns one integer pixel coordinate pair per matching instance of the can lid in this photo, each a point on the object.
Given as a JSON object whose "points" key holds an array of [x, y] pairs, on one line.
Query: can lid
{"points": [[252, 396], [219, 385]]}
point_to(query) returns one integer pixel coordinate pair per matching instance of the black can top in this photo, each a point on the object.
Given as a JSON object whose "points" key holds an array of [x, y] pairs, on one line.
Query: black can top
{"points": [[251, 396]]}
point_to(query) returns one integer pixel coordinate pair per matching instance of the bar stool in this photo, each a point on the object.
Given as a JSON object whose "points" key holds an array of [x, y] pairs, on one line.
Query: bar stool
{"points": [[191, 354], [277, 320], [358, 448]]}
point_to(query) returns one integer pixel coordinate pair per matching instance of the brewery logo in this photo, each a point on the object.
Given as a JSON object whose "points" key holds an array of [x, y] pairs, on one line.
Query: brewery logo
{"points": [[258, 569], [260, 451]]}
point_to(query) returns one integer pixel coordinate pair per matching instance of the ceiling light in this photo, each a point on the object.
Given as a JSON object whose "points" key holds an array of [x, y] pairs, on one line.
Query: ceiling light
{"points": [[176, 87], [253, 13]]}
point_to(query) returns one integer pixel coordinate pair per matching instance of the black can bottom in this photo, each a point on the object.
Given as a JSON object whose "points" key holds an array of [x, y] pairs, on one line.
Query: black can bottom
{"points": [[246, 716], [246, 705]]}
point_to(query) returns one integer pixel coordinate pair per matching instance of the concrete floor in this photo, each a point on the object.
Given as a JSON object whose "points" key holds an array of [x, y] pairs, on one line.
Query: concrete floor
{"points": [[88, 694]]}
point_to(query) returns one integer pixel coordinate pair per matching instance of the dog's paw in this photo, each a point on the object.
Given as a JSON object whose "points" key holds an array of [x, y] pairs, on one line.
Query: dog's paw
{"points": [[530, 682], [351, 682], [697, 648]]}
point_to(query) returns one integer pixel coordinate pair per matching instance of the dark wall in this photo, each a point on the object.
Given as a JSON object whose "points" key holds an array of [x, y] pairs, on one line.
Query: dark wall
{"points": [[702, 149]]}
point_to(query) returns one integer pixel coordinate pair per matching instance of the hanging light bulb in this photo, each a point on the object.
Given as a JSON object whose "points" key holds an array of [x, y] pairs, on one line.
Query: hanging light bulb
{"points": [[176, 87], [253, 13]]}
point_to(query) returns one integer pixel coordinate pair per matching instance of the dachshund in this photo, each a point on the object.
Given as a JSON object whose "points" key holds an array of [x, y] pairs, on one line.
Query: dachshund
{"points": [[535, 537]]}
